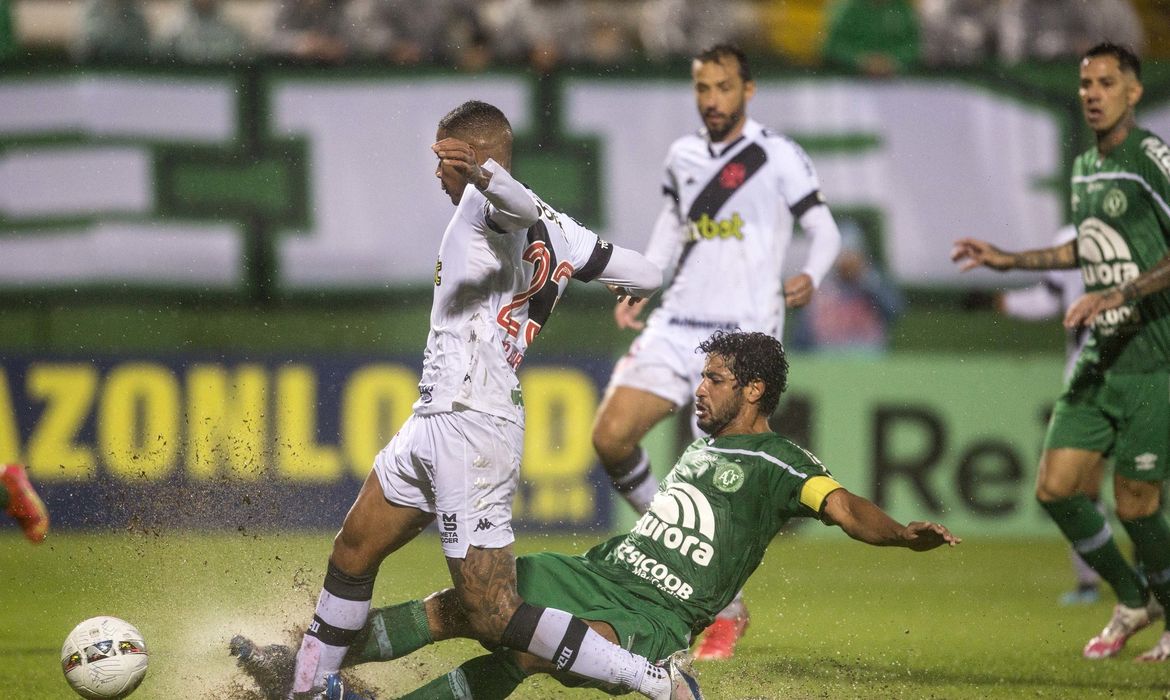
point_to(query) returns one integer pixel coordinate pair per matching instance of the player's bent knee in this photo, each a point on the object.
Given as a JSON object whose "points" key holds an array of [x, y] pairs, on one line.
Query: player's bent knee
{"points": [[614, 440], [486, 619]]}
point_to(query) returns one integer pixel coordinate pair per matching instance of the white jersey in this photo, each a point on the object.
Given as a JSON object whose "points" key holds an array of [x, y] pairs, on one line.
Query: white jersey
{"points": [[497, 279], [735, 206]]}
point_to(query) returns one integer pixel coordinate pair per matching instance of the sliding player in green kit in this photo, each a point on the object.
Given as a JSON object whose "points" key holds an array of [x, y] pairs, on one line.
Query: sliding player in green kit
{"points": [[1117, 401], [652, 589]]}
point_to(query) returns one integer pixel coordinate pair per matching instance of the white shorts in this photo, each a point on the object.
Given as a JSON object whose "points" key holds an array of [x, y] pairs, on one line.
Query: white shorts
{"points": [[463, 466], [663, 361]]}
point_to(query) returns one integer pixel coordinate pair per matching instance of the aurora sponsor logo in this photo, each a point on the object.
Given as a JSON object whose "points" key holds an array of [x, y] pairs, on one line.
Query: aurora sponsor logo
{"points": [[1106, 260], [681, 519]]}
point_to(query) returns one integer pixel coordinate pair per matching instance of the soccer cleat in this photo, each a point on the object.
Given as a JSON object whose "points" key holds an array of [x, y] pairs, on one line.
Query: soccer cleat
{"points": [[1125, 623], [1161, 650], [683, 682], [270, 666], [24, 504], [720, 638], [335, 690]]}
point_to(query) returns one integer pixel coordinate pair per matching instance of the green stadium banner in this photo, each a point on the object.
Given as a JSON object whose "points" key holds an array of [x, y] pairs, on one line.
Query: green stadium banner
{"points": [[948, 438], [267, 182]]}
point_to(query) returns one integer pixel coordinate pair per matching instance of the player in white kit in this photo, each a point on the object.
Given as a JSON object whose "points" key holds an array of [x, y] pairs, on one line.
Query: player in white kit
{"points": [[504, 260], [732, 193]]}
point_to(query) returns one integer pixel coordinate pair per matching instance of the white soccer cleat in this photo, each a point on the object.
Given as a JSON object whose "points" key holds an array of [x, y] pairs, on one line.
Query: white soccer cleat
{"points": [[683, 682], [1160, 652], [1125, 623]]}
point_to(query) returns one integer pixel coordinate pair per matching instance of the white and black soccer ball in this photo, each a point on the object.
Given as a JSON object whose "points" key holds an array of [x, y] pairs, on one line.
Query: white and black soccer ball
{"points": [[104, 658]]}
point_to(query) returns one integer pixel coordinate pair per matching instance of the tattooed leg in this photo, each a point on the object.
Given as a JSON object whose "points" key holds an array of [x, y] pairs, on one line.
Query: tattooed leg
{"points": [[485, 586]]}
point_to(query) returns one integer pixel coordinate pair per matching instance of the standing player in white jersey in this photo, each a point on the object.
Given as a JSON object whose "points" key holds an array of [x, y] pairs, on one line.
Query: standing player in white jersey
{"points": [[504, 260], [732, 192]]}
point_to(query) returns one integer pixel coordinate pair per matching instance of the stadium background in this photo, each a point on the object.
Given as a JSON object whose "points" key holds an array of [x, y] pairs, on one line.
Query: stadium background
{"points": [[221, 276], [214, 287]]}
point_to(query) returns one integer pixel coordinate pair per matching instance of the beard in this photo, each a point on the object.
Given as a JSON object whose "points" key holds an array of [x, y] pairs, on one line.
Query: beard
{"points": [[717, 134], [718, 418]]}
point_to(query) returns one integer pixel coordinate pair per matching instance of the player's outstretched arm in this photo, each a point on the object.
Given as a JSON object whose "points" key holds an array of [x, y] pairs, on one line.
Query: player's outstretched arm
{"points": [[864, 521], [630, 276], [971, 253]]}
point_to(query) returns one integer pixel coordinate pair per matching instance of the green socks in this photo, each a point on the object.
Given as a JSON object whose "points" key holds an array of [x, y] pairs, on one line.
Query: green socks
{"points": [[390, 633], [488, 677], [1151, 541], [1092, 538]]}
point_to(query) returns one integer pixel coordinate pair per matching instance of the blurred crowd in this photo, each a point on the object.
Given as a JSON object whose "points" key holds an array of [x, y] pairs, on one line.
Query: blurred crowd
{"points": [[876, 37]]}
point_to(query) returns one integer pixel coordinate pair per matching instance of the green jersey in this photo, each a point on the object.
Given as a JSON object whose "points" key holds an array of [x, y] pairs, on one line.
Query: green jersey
{"points": [[714, 515], [1121, 208]]}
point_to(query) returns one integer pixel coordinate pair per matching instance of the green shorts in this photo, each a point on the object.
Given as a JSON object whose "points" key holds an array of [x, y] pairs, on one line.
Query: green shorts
{"points": [[571, 584], [1123, 416]]}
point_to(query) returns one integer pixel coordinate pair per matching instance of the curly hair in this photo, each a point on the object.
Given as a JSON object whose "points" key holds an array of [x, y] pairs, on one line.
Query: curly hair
{"points": [[752, 356]]}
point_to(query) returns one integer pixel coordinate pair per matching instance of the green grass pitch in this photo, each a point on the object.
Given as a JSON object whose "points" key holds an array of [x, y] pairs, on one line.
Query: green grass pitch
{"points": [[831, 618]]}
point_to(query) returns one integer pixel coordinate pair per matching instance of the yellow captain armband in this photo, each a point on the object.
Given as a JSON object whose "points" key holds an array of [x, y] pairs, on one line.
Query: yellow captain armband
{"points": [[816, 490]]}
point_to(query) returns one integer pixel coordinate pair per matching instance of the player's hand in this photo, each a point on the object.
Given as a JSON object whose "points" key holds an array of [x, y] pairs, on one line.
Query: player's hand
{"points": [[627, 309], [460, 157], [1087, 307], [798, 290], [970, 253], [921, 536]]}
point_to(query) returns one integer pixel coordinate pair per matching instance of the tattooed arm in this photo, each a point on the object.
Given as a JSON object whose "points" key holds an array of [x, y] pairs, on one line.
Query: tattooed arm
{"points": [[1085, 309], [972, 252]]}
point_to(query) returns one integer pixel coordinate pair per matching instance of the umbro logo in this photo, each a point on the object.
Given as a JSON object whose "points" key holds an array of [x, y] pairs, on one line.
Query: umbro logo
{"points": [[484, 524], [1145, 462]]}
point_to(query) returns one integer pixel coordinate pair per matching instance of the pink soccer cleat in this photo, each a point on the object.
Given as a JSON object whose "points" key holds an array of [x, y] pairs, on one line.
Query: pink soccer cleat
{"points": [[720, 638], [24, 505], [1125, 623], [1160, 652]]}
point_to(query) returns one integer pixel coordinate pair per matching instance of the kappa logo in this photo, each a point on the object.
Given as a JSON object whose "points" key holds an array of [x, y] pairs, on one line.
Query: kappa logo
{"points": [[484, 524], [1145, 462]]}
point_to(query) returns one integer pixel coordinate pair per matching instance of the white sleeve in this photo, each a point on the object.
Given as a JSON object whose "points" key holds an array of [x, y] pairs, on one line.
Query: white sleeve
{"points": [[799, 184], [666, 240], [631, 271], [510, 206], [1033, 303], [820, 227]]}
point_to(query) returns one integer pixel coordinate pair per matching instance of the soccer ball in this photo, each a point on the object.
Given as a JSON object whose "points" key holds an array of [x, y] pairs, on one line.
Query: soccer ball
{"points": [[103, 658]]}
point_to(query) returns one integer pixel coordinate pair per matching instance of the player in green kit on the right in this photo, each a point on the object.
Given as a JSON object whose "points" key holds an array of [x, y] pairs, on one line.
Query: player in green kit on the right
{"points": [[1117, 401], [652, 589]]}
